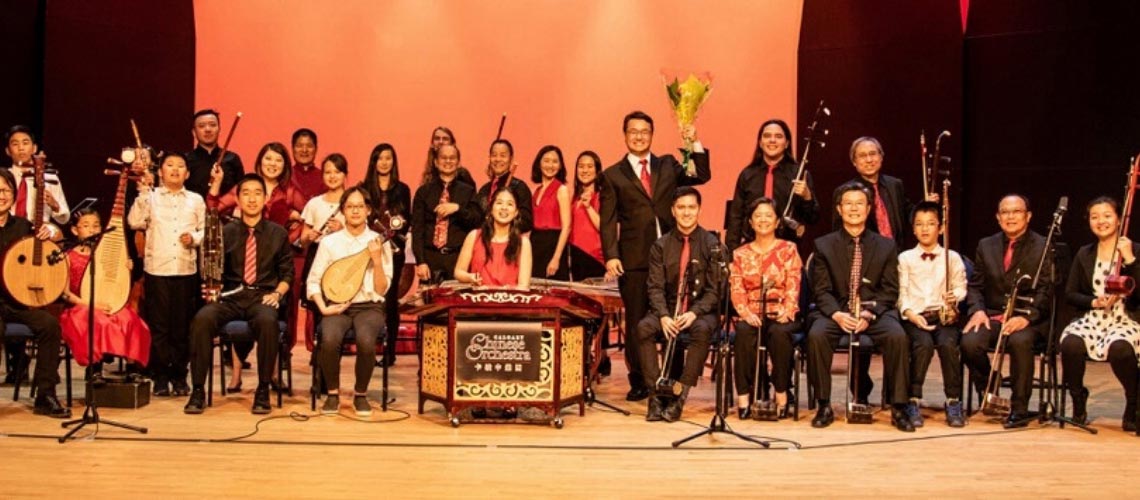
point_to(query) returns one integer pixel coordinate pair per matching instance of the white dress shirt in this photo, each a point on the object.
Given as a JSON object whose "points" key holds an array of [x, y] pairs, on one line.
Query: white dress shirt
{"points": [[341, 244], [317, 212], [923, 281], [166, 215], [60, 216]]}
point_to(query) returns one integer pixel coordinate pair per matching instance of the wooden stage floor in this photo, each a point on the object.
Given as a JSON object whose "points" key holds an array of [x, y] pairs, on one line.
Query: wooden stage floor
{"points": [[604, 454]]}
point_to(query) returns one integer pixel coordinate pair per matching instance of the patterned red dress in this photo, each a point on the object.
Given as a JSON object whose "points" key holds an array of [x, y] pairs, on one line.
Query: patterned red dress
{"points": [[121, 334], [781, 265]]}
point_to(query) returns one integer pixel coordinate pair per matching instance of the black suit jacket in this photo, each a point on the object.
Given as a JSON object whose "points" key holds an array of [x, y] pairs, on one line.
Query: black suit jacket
{"points": [[705, 253], [750, 186], [629, 216], [831, 272], [1079, 287], [990, 283], [898, 208]]}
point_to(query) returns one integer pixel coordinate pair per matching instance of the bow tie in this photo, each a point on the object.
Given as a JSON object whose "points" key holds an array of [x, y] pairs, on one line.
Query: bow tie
{"points": [[927, 256]]}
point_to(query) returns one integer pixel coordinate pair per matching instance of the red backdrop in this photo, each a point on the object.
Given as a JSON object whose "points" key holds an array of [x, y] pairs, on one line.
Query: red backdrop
{"points": [[565, 73]]}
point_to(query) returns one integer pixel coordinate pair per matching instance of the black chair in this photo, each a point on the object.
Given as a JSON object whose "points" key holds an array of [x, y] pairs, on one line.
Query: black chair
{"points": [[21, 332], [238, 331]]}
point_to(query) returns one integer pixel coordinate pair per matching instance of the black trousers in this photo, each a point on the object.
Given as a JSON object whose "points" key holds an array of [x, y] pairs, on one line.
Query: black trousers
{"points": [[542, 245], [1121, 356], [392, 306], [780, 351], [635, 297], [584, 265], [442, 265], [367, 320], [696, 351], [245, 305], [169, 305], [885, 332], [945, 340], [46, 331], [1019, 345]]}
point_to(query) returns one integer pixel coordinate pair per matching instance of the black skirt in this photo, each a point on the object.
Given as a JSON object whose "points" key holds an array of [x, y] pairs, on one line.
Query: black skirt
{"points": [[542, 245]]}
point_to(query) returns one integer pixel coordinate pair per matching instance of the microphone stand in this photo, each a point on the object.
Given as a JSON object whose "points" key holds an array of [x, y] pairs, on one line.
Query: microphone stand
{"points": [[1047, 409], [91, 413], [719, 423]]}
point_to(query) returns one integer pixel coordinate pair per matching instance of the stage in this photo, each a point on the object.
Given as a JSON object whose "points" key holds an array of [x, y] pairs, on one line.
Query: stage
{"points": [[296, 453]]}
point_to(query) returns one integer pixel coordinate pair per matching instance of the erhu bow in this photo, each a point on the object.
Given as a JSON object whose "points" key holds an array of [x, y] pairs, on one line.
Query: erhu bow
{"points": [[786, 219]]}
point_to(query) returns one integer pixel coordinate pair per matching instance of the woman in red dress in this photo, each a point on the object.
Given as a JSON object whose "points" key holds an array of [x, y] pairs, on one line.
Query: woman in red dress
{"points": [[585, 235], [120, 334], [551, 203], [496, 255]]}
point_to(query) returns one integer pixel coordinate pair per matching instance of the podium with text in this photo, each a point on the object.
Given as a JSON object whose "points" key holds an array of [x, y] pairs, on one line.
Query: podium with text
{"points": [[504, 348]]}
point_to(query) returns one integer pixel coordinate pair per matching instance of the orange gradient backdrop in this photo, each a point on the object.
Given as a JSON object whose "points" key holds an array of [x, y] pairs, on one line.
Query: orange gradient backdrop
{"points": [[565, 72]]}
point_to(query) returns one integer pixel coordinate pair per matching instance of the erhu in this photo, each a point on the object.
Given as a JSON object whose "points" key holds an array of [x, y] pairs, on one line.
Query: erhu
{"points": [[855, 412], [948, 314], [213, 247], [992, 402], [786, 219], [1116, 284], [763, 408], [931, 171], [666, 385]]}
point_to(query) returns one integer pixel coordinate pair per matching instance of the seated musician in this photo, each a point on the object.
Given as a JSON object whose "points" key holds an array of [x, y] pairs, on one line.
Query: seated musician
{"points": [[496, 254], [443, 211], [43, 325], [364, 313], [256, 276], [922, 295], [765, 261], [1106, 329], [122, 333], [876, 282], [685, 253], [1000, 259]]}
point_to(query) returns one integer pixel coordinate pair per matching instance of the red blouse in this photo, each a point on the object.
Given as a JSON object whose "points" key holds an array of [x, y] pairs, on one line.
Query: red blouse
{"points": [[781, 265], [497, 271], [280, 204], [546, 214], [583, 234]]}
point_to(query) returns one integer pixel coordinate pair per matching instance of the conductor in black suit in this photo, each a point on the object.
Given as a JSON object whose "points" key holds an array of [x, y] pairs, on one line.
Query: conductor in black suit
{"points": [[1000, 260], [636, 210], [890, 209], [878, 291]]}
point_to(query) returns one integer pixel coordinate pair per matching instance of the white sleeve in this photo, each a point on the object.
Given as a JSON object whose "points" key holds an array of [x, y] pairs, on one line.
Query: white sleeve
{"points": [[139, 214], [320, 263], [62, 215]]}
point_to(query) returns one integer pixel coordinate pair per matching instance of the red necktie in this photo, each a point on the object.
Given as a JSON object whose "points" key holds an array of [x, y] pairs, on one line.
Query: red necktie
{"points": [[1008, 259], [439, 238], [645, 177], [856, 276], [881, 218], [768, 181], [491, 194], [250, 275], [22, 199], [684, 266]]}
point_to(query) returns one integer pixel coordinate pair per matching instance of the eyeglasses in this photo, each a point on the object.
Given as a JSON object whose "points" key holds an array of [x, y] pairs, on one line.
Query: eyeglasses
{"points": [[870, 155], [1011, 213], [6, 192], [639, 132], [355, 207]]}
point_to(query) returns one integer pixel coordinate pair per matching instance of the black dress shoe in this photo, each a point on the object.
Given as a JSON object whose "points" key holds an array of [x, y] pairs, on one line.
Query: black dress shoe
{"points": [[604, 367], [1080, 405], [656, 408], [901, 420], [180, 388], [48, 404], [744, 413], [197, 402], [162, 387], [1128, 421], [1016, 420], [637, 393], [233, 390], [261, 401], [673, 411], [823, 417]]}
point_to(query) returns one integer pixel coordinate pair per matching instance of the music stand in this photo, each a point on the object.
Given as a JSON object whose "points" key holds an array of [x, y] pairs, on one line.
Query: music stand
{"points": [[91, 413]]}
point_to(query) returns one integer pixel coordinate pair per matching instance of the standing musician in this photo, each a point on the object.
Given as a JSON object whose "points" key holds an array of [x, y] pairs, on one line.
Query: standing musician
{"points": [[174, 219], [364, 314], [257, 273], [890, 208], [497, 254], [922, 294], [853, 252], [765, 261], [772, 175], [686, 252], [501, 170], [390, 197], [1000, 260], [44, 326], [551, 214], [321, 214], [443, 211], [585, 233], [439, 136], [200, 161], [307, 178], [1106, 329], [637, 198]]}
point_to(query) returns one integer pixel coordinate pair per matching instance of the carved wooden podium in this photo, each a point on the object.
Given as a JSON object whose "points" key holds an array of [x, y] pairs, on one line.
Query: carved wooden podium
{"points": [[504, 348]]}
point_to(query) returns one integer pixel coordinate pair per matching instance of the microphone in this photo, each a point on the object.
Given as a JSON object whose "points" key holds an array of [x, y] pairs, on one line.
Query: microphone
{"points": [[1062, 206]]}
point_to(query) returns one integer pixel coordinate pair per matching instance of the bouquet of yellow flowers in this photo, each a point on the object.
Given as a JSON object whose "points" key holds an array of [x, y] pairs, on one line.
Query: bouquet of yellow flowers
{"points": [[686, 96]]}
